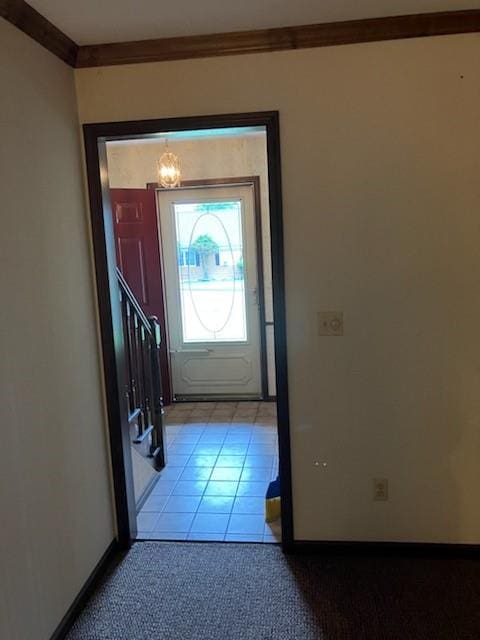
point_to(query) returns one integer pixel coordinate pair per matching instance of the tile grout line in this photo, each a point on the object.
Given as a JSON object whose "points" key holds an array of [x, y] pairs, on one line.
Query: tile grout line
{"points": [[234, 497], [252, 423]]}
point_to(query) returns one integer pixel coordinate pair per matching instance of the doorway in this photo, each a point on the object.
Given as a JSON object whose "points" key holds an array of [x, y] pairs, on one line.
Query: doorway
{"points": [[211, 258], [217, 336]]}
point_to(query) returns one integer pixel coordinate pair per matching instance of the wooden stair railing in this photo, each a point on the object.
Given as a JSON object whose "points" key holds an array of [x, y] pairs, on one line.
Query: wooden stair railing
{"points": [[144, 386]]}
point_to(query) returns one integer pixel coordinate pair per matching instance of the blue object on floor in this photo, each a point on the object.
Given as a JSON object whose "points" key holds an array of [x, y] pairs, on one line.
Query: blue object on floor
{"points": [[272, 501]]}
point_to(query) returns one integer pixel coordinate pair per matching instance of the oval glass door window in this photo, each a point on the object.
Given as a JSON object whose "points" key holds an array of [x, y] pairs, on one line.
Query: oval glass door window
{"points": [[210, 258]]}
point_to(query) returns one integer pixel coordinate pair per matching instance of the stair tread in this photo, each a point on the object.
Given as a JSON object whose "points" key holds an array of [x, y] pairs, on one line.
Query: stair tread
{"points": [[132, 417]]}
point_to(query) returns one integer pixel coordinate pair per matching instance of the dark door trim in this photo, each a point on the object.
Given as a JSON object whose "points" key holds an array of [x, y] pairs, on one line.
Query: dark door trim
{"points": [[254, 182], [96, 136], [111, 330]]}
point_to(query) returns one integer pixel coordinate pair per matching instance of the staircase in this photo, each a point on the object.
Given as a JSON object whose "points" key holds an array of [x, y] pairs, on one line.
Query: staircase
{"points": [[144, 388]]}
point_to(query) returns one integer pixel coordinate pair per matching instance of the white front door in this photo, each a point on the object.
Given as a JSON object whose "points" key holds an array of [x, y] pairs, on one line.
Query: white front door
{"points": [[210, 260]]}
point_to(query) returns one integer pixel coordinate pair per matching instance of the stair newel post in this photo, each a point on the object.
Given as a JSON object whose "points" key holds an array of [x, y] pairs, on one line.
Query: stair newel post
{"points": [[132, 359], [158, 434], [147, 358], [129, 384], [140, 390]]}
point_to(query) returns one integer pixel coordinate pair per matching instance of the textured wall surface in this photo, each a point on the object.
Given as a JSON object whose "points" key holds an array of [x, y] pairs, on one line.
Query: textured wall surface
{"points": [[54, 483], [381, 195]]}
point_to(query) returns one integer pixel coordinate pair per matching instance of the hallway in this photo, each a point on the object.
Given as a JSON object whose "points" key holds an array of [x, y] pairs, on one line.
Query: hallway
{"points": [[220, 460], [252, 592]]}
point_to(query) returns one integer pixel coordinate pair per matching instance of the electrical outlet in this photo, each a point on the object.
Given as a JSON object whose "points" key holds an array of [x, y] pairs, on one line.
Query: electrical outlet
{"points": [[380, 489], [330, 323]]}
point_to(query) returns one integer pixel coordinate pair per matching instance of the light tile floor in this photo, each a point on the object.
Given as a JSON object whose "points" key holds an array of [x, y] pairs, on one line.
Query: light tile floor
{"points": [[220, 459]]}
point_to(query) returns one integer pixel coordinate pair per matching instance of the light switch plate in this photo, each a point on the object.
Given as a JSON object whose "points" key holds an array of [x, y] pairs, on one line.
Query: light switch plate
{"points": [[380, 489], [330, 323]]}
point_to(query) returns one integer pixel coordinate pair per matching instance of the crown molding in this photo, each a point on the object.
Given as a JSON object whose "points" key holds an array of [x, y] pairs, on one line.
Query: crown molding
{"points": [[242, 42], [28, 20]]}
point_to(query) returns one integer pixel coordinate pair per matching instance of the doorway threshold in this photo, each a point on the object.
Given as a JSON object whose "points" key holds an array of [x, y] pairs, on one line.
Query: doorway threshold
{"points": [[217, 398]]}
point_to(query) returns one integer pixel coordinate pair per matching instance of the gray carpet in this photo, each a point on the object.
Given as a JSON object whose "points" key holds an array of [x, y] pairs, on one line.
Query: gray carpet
{"points": [[187, 591]]}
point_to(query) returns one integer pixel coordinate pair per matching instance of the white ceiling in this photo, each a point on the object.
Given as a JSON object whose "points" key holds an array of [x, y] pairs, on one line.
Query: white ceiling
{"points": [[100, 21]]}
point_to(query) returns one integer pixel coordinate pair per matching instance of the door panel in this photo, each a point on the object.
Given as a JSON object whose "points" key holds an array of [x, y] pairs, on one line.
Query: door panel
{"points": [[231, 370], [209, 246], [131, 262], [139, 260]]}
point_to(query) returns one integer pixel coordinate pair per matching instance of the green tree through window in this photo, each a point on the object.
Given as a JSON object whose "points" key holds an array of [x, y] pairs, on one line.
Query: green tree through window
{"points": [[205, 246]]}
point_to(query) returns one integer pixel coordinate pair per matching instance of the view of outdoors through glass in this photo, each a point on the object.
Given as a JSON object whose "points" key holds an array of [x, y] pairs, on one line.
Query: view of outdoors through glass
{"points": [[210, 259]]}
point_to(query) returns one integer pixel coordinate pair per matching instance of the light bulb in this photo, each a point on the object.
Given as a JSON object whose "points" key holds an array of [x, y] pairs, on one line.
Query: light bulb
{"points": [[169, 175]]}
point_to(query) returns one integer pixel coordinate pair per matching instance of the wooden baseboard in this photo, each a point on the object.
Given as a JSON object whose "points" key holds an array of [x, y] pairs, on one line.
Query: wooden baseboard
{"points": [[86, 591], [405, 549]]}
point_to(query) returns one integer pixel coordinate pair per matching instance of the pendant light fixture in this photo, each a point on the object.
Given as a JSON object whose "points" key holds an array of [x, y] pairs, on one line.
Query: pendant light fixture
{"points": [[169, 175]]}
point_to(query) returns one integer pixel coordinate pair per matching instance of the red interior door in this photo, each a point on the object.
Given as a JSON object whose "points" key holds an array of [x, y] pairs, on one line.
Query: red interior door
{"points": [[139, 259]]}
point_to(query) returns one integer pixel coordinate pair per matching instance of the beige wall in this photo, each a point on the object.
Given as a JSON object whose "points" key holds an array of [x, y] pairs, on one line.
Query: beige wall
{"points": [[54, 487], [380, 152], [132, 165]]}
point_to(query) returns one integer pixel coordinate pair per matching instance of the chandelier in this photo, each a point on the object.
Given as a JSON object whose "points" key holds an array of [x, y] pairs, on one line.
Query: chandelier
{"points": [[169, 175]]}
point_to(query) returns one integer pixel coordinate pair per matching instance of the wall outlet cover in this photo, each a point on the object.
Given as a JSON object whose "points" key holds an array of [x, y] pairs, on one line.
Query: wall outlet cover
{"points": [[380, 489], [330, 323]]}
